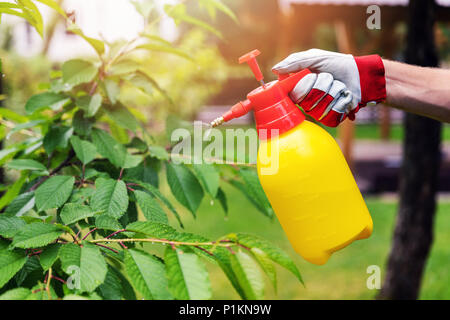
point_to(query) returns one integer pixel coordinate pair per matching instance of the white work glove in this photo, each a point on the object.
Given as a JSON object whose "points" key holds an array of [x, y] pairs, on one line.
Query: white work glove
{"points": [[339, 85]]}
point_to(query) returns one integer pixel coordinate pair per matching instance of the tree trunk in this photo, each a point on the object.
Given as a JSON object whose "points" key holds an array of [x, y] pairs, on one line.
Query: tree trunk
{"points": [[413, 233]]}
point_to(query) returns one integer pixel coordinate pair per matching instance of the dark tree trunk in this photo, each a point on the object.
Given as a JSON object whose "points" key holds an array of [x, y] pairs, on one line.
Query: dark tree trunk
{"points": [[413, 233]]}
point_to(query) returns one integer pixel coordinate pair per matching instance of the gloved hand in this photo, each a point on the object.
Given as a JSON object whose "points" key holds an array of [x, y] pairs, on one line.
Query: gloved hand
{"points": [[339, 85]]}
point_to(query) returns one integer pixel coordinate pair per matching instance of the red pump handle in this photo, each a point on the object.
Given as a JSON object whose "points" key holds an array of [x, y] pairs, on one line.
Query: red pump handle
{"points": [[250, 58]]}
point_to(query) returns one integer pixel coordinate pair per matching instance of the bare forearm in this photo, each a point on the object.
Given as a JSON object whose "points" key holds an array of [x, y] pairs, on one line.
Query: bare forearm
{"points": [[424, 91]]}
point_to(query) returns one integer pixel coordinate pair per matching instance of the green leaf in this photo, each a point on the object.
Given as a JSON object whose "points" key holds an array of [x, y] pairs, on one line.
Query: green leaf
{"points": [[184, 186], [82, 125], [188, 278], [158, 152], [112, 90], [110, 196], [146, 171], [248, 275], [156, 193], [153, 230], [36, 235], [111, 288], [273, 252], [150, 207], [107, 223], [73, 212], [13, 191], [44, 100], [9, 226], [87, 261], [122, 117], [17, 294], [49, 256], [77, 71], [147, 274], [54, 192], [123, 67], [21, 204], [253, 190], [89, 104], [26, 164], [10, 263], [109, 148], [219, 5], [223, 200], [84, 150], [208, 176], [98, 45], [54, 5], [266, 265], [57, 138], [9, 114]]}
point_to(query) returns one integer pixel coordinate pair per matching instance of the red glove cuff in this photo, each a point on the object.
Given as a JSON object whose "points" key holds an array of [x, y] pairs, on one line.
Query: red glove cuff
{"points": [[371, 77]]}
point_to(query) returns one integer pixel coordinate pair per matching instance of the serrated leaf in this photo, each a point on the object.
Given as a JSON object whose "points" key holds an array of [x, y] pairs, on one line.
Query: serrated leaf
{"points": [[10, 263], [248, 275], [146, 171], [57, 137], [208, 176], [84, 150], [26, 164], [87, 261], [36, 235], [150, 207], [124, 118], [253, 190], [112, 90], [17, 294], [111, 288], [184, 186], [158, 152], [73, 212], [78, 71], [108, 147], [49, 256], [147, 274], [54, 192], [44, 100], [266, 265], [90, 104], [110, 196], [273, 252], [153, 229], [107, 223], [21, 204], [9, 226], [156, 193], [188, 278]]}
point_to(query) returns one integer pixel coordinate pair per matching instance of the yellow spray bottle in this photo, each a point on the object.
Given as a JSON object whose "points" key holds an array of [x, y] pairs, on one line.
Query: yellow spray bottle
{"points": [[302, 171]]}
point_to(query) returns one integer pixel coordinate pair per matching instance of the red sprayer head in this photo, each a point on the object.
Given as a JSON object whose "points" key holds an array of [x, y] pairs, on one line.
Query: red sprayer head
{"points": [[271, 103]]}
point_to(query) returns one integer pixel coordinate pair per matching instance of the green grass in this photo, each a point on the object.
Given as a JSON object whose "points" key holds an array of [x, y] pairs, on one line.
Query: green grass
{"points": [[372, 132], [344, 276]]}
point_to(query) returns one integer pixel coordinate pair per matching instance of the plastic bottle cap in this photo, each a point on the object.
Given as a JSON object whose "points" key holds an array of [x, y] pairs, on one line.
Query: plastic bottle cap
{"points": [[250, 58]]}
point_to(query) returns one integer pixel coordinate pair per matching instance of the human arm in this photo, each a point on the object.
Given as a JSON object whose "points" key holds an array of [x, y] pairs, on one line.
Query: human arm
{"points": [[424, 91], [367, 81]]}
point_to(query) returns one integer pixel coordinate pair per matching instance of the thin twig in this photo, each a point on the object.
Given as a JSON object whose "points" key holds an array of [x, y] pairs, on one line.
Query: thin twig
{"points": [[106, 247], [90, 231]]}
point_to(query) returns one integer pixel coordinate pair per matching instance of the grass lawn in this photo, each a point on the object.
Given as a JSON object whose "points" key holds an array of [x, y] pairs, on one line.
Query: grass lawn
{"points": [[344, 276], [372, 132]]}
